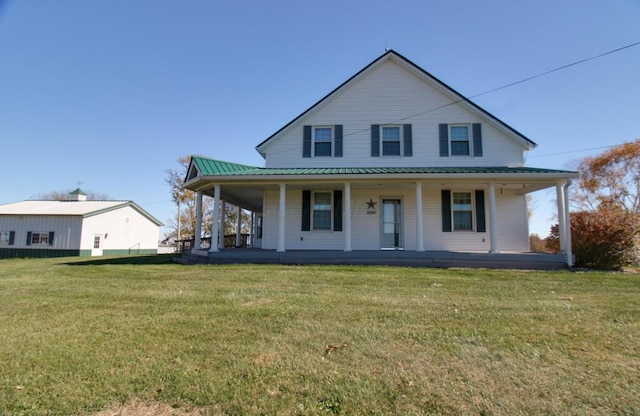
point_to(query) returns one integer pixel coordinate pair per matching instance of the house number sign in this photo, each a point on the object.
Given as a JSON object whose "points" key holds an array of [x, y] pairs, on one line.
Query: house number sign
{"points": [[371, 207]]}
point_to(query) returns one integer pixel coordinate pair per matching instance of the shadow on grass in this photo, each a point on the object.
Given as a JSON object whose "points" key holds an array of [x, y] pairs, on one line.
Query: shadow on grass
{"points": [[140, 260]]}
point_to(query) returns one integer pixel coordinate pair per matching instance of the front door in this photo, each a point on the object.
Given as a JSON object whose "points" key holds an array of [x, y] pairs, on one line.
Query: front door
{"points": [[97, 245], [391, 237]]}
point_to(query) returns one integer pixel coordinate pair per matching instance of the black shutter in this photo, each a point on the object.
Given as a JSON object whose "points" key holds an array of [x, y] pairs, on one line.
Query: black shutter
{"points": [[444, 140], [29, 238], [480, 216], [51, 235], [337, 129], [12, 237], [337, 210], [306, 141], [375, 140], [306, 210], [477, 139], [446, 211], [408, 141]]}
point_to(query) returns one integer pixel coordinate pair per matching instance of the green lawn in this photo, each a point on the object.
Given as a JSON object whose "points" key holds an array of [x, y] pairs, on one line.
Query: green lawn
{"points": [[79, 336]]}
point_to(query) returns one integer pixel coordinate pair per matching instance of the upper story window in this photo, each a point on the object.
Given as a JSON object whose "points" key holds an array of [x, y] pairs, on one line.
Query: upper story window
{"points": [[460, 139], [459, 135], [391, 140], [322, 141]]}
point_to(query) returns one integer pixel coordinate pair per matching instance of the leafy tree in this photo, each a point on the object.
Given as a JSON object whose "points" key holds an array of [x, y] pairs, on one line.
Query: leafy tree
{"points": [[610, 180], [184, 224], [537, 244], [605, 230], [63, 195]]}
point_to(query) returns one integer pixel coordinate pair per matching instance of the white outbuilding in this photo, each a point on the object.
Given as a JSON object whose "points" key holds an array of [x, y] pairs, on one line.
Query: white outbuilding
{"points": [[76, 227]]}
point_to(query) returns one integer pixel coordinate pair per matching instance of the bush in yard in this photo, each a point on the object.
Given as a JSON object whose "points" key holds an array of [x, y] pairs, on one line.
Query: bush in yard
{"points": [[603, 239]]}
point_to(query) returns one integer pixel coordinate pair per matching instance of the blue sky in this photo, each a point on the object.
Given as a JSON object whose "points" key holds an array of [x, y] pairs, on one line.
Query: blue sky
{"points": [[112, 92]]}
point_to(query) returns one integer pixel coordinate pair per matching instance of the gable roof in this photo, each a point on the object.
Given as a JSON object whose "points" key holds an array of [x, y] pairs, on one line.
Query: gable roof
{"points": [[406, 63], [70, 208]]}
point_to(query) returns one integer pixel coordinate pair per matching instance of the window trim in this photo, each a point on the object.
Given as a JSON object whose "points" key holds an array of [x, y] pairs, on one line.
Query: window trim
{"points": [[313, 210], [469, 140], [39, 242], [331, 141], [400, 139], [474, 222]]}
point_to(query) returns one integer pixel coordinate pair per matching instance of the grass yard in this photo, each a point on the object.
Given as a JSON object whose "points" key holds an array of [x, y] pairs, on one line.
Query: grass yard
{"points": [[124, 336]]}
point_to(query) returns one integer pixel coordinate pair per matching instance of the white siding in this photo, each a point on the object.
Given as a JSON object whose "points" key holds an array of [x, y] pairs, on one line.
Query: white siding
{"points": [[511, 224], [66, 230], [392, 95], [511, 227], [121, 229], [513, 232], [365, 227]]}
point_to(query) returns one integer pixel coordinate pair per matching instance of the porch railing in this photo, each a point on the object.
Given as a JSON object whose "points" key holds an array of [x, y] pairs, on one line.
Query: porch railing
{"points": [[186, 245]]}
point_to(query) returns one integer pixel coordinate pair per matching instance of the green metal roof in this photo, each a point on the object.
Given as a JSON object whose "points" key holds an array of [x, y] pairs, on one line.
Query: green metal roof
{"points": [[210, 167], [218, 167]]}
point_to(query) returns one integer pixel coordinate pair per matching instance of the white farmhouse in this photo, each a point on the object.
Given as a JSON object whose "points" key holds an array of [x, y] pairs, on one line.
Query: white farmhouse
{"points": [[391, 160], [76, 227]]}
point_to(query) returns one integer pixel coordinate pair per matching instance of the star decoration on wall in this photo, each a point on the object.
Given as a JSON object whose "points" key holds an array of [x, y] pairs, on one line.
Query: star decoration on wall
{"points": [[371, 204]]}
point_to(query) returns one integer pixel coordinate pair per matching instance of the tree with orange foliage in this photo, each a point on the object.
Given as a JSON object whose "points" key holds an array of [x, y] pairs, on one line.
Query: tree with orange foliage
{"points": [[610, 180], [605, 229]]}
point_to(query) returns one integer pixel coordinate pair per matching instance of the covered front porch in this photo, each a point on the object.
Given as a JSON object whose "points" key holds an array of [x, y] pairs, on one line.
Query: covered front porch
{"points": [[279, 200]]}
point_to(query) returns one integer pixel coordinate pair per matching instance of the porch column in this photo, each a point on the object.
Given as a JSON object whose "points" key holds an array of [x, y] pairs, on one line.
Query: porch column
{"points": [[282, 217], [562, 224], [493, 234], [251, 230], [221, 231], [419, 216], [239, 228], [568, 224], [198, 236], [216, 215], [347, 216]]}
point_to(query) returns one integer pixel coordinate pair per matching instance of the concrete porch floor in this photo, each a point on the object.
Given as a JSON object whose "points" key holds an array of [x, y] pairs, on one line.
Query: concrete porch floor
{"points": [[441, 259]]}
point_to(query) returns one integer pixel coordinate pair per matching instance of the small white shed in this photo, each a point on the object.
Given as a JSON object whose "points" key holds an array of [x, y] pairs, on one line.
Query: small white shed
{"points": [[76, 227]]}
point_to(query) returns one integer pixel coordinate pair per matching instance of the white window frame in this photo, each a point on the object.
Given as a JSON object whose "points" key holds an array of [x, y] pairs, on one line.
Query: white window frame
{"points": [[5, 237], [469, 138], [473, 211], [313, 209], [40, 241], [331, 142], [400, 135]]}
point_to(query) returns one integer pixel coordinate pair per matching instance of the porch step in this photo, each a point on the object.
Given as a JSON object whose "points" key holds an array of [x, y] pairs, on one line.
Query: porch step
{"points": [[438, 259]]}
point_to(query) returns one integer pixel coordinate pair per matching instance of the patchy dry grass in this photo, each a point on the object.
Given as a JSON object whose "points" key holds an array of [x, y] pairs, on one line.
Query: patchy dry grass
{"points": [[133, 336]]}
